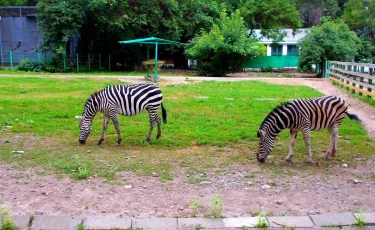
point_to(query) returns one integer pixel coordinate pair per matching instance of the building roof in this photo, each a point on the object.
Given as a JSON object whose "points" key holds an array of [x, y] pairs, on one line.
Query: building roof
{"points": [[288, 39]]}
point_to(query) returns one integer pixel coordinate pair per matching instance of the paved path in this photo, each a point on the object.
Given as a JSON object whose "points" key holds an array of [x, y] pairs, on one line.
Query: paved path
{"points": [[331, 221]]}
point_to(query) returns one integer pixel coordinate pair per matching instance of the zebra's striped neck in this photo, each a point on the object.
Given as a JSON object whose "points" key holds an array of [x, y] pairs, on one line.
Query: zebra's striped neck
{"points": [[91, 106], [276, 121]]}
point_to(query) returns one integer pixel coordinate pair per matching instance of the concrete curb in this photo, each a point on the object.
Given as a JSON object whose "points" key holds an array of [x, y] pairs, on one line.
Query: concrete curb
{"points": [[323, 221]]}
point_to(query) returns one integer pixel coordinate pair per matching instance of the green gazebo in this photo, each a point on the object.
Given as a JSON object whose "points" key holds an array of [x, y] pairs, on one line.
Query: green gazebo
{"points": [[156, 42]]}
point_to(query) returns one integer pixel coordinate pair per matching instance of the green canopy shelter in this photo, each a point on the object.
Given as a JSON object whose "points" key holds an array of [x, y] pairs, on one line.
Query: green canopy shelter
{"points": [[156, 42]]}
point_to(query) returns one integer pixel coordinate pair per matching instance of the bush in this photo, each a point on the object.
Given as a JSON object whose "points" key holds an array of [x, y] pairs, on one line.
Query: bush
{"points": [[30, 66]]}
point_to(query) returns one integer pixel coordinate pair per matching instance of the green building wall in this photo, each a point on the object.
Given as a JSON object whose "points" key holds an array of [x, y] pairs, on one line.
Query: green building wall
{"points": [[272, 62]]}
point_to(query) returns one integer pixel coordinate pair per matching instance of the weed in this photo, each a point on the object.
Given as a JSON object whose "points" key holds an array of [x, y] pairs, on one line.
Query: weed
{"points": [[194, 206], [80, 226], [7, 223], [360, 221], [333, 226], [261, 220], [216, 206], [83, 173]]}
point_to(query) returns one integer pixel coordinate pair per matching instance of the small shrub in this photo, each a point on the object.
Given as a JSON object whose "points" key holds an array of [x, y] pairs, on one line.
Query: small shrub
{"points": [[216, 206], [7, 223], [360, 221], [194, 206], [30, 66], [262, 222]]}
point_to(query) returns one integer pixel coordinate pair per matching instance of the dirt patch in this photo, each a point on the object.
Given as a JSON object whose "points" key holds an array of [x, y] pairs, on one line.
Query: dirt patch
{"points": [[338, 188], [245, 190]]}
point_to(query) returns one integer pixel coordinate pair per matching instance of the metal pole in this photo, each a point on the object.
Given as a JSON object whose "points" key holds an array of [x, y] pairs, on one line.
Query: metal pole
{"points": [[77, 63], [22, 34], [148, 58], [11, 60], [1, 44], [156, 63], [64, 60]]}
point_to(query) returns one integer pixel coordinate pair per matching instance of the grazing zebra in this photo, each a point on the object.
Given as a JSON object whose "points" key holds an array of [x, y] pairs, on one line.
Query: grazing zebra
{"points": [[128, 100], [303, 115]]}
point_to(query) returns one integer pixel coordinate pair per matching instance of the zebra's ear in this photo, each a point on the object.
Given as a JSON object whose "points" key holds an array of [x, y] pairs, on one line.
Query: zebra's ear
{"points": [[79, 117]]}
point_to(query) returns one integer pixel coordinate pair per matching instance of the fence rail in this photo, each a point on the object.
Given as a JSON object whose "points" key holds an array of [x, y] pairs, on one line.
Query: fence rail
{"points": [[359, 77]]}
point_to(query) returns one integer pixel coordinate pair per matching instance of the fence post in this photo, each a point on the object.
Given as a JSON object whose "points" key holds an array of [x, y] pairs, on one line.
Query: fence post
{"points": [[109, 62], [77, 63], [11, 60], [64, 60], [100, 62]]}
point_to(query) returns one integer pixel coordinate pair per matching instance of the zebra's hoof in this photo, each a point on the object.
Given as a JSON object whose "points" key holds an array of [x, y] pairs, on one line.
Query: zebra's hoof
{"points": [[288, 160], [310, 162]]}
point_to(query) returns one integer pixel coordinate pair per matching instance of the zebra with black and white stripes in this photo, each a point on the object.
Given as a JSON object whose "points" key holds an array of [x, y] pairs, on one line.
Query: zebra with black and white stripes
{"points": [[128, 100], [303, 115]]}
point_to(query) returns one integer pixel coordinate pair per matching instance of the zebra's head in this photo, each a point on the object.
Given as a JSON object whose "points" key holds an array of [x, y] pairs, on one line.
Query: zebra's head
{"points": [[85, 128], [266, 142]]}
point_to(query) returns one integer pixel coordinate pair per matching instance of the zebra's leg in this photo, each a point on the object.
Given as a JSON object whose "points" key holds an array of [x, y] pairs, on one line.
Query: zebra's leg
{"points": [[306, 137], [158, 122], [293, 136], [152, 123], [117, 127], [333, 130], [105, 125]]}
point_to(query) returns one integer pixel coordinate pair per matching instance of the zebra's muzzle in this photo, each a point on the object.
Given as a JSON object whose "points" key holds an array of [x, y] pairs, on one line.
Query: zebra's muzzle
{"points": [[261, 160], [82, 142]]}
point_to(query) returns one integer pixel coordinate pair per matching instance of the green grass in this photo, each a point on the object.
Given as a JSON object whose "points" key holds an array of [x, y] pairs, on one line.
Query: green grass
{"points": [[207, 122]]}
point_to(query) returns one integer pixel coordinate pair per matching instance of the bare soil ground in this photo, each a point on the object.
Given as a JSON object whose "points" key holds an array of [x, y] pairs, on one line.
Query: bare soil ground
{"points": [[339, 188]]}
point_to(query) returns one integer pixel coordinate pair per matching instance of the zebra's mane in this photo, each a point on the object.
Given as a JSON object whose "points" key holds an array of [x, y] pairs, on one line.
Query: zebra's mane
{"points": [[89, 99], [277, 108]]}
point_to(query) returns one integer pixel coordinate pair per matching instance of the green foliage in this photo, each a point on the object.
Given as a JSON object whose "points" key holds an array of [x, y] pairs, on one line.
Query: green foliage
{"points": [[359, 15], [329, 41], [7, 223], [360, 219], [59, 21], [267, 15], [80, 226], [261, 220], [30, 66], [216, 206], [311, 12], [194, 206], [223, 49]]}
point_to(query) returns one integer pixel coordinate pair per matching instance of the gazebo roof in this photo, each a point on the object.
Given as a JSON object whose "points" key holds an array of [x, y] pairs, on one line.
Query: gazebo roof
{"points": [[152, 40]]}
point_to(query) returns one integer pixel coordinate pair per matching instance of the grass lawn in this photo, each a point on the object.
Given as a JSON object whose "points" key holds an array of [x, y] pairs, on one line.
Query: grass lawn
{"points": [[211, 125]]}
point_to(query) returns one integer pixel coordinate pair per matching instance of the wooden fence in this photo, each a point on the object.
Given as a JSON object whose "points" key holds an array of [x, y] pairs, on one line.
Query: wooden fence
{"points": [[359, 77]]}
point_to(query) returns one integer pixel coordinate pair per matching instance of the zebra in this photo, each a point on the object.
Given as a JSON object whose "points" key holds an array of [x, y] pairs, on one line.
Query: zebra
{"points": [[303, 115], [128, 100]]}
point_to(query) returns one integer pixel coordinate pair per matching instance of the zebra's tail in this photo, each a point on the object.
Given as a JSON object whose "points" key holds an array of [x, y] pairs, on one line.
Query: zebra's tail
{"points": [[164, 113], [353, 117]]}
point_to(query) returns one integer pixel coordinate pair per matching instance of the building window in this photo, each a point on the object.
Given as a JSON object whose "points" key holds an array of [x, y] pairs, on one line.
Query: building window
{"points": [[292, 50], [277, 50]]}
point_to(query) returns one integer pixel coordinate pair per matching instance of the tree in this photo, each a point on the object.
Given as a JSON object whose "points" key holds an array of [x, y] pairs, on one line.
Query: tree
{"points": [[360, 17], [311, 11], [268, 15], [329, 41], [60, 20], [223, 49]]}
